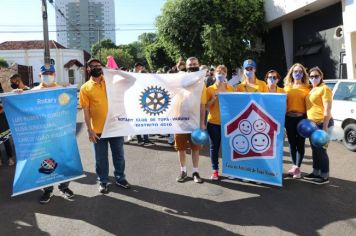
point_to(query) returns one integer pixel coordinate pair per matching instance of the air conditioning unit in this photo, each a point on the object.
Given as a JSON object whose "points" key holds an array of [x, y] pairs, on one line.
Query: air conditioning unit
{"points": [[339, 32]]}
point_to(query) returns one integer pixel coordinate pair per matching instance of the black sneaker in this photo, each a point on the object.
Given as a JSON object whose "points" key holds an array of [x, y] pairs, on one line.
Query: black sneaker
{"points": [[67, 193], [46, 197], [123, 184], [148, 144], [320, 181], [311, 176], [103, 188], [182, 177], [196, 178]]}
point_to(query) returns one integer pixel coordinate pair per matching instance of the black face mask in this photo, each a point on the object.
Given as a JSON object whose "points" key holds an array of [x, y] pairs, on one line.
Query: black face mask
{"points": [[14, 86], [96, 72], [193, 69]]}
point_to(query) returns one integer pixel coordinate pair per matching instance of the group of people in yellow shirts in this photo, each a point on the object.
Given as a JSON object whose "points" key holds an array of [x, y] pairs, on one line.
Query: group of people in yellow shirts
{"points": [[307, 97]]}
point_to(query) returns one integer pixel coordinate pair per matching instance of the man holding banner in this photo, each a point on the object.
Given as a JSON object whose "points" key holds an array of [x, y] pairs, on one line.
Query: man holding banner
{"points": [[43, 126], [93, 99], [48, 75], [183, 141]]}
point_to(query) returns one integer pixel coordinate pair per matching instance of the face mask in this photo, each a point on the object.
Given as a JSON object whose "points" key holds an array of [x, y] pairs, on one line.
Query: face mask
{"points": [[271, 81], [47, 79], [297, 75], [220, 78], [249, 74], [96, 72], [314, 81], [193, 69], [14, 86]]}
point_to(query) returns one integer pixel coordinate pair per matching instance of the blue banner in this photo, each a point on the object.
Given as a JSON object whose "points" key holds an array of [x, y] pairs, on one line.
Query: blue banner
{"points": [[252, 133], [43, 127]]}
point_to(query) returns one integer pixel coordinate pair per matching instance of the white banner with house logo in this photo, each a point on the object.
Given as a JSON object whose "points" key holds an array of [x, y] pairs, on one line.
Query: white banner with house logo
{"points": [[140, 103]]}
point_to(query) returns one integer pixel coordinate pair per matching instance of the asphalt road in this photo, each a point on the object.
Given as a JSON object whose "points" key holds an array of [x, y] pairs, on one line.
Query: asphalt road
{"points": [[158, 205]]}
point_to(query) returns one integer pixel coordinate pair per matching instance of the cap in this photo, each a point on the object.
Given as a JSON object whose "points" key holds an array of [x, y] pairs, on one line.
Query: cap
{"points": [[93, 59], [249, 63], [47, 68], [138, 64]]}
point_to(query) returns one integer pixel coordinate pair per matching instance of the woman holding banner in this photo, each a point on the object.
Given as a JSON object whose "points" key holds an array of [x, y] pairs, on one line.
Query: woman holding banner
{"points": [[272, 79], [318, 103], [213, 125], [250, 83], [297, 88]]}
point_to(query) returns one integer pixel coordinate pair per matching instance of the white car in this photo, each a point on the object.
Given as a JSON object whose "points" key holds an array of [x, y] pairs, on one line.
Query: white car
{"points": [[344, 109]]}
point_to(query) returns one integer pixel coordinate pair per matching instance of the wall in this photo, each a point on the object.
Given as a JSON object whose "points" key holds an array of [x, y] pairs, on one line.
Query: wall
{"points": [[35, 59], [320, 32]]}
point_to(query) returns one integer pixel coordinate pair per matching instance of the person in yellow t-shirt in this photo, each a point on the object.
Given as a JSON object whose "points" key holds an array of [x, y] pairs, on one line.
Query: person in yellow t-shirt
{"points": [[297, 88], [318, 103], [272, 78], [250, 83], [93, 100], [213, 125]]}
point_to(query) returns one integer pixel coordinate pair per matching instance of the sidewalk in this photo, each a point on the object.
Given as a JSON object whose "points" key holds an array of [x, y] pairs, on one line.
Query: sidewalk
{"points": [[158, 205]]}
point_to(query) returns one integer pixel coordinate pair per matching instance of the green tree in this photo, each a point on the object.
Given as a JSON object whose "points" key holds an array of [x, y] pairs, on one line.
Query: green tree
{"points": [[215, 31], [102, 44], [147, 38], [3, 63], [157, 56], [136, 50], [122, 57]]}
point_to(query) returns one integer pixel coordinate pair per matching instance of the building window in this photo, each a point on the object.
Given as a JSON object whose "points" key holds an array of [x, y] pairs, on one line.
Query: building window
{"points": [[71, 76]]}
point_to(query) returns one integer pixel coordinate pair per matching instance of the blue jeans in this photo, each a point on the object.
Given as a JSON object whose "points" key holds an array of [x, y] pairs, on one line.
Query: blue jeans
{"points": [[320, 157], [215, 141], [102, 162], [296, 142]]}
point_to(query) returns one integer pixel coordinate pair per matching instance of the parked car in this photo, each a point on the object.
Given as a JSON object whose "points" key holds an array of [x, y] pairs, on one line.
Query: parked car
{"points": [[344, 109], [331, 83]]}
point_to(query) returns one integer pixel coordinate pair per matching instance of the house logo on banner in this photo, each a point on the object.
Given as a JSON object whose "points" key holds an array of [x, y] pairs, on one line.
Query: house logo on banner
{"points": [[154, 100], [252, 134]]}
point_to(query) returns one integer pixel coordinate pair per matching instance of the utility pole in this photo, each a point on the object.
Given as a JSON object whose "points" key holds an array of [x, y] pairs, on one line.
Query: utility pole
{"points": [[47, 57], [99, 42]]}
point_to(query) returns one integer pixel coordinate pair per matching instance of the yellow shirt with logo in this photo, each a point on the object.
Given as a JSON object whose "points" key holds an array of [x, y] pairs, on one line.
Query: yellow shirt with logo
{"points": [[214, 113], [259, 87], [93, 97], [296, 97], [314, 102]]}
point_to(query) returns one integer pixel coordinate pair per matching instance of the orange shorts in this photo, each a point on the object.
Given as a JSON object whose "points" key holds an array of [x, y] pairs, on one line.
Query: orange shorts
{"points": [[184, 141]]}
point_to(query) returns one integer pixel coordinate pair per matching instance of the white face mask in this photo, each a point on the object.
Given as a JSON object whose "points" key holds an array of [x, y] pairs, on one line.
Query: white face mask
{"points": [[47, 79]]}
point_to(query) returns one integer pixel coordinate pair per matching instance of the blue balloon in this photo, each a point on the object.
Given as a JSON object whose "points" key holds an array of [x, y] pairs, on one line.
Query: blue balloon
{"points": [[200, 136], [306, 127], [319, 138]]}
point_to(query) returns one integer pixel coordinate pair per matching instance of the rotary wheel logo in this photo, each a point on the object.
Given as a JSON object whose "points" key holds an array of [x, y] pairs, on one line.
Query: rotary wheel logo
{"points": [[154, 100]]}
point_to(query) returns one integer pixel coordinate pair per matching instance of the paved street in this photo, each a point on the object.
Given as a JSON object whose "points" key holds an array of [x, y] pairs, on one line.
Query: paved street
{"points": [[158, 205]]}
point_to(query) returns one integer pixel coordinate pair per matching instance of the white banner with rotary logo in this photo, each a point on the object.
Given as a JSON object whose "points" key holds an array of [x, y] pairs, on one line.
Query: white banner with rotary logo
{"points": [[143, 103]]}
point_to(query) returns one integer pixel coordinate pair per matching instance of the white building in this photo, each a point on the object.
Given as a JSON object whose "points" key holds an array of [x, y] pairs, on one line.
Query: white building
{"points": [[314, 32], [81, 23], [68, 62]]}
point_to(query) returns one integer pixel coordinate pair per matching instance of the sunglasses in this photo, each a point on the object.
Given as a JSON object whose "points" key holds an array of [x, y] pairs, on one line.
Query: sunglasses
{"points": [[314, 76], [272, 77]]}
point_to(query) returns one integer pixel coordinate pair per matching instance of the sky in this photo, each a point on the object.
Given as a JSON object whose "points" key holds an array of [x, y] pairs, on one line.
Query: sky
{"points": [[132, 18]]}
